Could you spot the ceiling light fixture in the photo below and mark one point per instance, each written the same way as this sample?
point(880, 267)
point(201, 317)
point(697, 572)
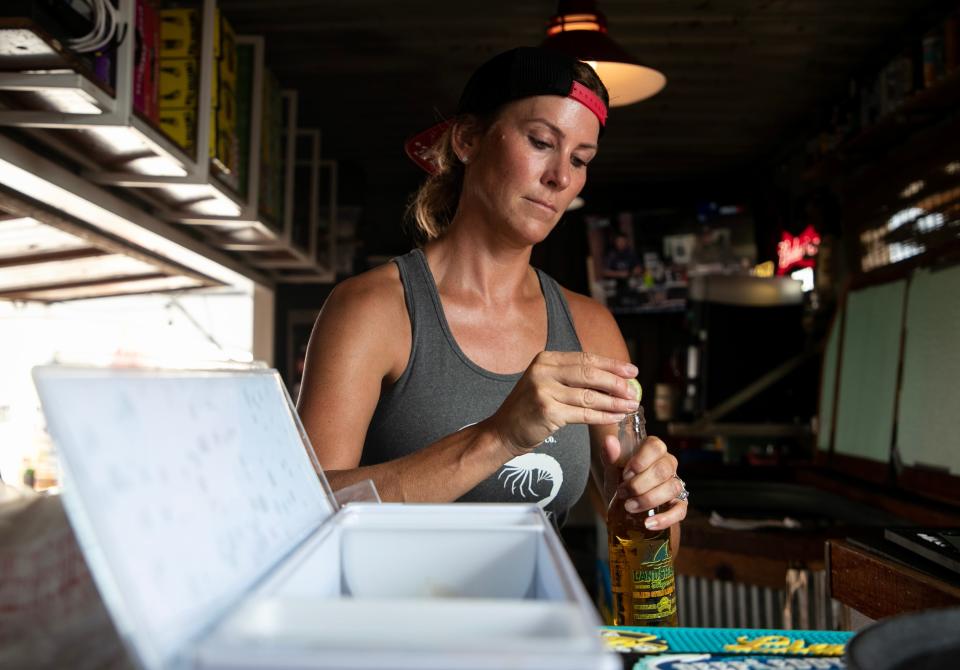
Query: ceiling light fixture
point(580, 29)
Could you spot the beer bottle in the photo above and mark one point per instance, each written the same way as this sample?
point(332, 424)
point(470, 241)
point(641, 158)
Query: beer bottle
point(641, 566)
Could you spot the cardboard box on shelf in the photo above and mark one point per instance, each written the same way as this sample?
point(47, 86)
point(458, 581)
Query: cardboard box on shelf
point(145, 72)
point(217, 19)
point(152, 84)
point(103, 66)
point(243, 93)
point(271, 151)
point(180, 125)
point(227, 55)
point(179, 83)
point(179, 33)
point(227, 109)
point(214, 88)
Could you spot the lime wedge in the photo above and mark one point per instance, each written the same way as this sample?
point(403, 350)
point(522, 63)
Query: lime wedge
point(635, 385)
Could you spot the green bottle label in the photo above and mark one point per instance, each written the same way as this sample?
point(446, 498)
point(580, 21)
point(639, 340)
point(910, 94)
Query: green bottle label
point(654, 591)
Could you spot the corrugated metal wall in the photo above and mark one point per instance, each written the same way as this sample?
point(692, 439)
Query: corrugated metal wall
point(720, 603)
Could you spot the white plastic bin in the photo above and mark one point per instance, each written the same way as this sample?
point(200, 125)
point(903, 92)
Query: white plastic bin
point(216, 542)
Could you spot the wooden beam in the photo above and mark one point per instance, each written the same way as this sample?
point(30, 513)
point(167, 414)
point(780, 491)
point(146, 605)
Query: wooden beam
point(50, 256)
point(85, 282)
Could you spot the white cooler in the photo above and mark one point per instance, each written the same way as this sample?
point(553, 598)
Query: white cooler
point(216, 541)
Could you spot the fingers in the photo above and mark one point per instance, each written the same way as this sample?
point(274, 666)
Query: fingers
point(648, 498)
point(649, 477)
point(566, 414)
point(651, 450)
point(610, 449)
point(592, 399)
point(585, 370)
point(674, 515)
point(560, 388)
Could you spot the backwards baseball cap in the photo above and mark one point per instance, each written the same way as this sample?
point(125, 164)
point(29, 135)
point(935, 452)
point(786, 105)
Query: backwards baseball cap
point(519, 73)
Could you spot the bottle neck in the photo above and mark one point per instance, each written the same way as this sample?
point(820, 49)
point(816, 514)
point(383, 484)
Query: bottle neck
point(632, 431)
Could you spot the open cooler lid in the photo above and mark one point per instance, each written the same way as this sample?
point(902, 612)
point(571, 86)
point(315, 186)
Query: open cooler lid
point(183, 488)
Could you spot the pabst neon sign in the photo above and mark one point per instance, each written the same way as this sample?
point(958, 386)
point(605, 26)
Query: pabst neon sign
point(797, 251)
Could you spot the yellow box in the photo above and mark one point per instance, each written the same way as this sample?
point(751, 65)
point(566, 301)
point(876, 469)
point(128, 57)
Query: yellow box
point(180, 125)
point(227, 109)
point(227, 55)
point(214, 87)
point(179, 33)
point(179, 83)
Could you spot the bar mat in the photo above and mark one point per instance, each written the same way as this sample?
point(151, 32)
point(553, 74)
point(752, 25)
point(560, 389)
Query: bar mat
point(726, 641)
point(724, 662)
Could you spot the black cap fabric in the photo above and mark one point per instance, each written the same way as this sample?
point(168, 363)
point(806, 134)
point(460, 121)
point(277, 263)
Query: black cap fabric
point(523, 72)
point(519, 73)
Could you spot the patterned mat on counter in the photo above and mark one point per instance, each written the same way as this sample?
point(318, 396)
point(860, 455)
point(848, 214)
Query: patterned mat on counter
point(726, 648)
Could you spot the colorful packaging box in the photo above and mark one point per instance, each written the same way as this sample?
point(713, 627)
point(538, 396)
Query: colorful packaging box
point(227, 110)
point(179, 33)
point(180, 125)
point(271, 151)
point(179, 83)
point(227, 55)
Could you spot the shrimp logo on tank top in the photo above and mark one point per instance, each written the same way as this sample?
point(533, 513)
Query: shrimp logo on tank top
point(522, 473)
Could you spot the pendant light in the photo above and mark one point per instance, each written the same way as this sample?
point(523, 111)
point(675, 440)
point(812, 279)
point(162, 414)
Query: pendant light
point(580, 29)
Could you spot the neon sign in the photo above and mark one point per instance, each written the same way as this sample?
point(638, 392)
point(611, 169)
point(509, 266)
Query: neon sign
point(797, 251)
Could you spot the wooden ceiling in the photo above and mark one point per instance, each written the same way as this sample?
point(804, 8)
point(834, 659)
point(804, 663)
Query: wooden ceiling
point(744, 76)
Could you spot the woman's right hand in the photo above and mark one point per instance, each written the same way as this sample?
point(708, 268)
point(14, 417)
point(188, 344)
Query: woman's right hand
point(560, 388)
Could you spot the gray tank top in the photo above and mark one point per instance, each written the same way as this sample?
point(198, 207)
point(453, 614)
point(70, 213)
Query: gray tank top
point(442, 391)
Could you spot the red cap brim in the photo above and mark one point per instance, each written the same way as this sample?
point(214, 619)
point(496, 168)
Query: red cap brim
point(418, 147)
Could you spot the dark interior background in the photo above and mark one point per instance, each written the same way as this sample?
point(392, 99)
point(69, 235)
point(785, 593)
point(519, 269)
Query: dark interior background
point(747, 80)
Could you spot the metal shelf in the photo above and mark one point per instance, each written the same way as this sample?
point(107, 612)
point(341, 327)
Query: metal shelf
point(264, 245)
point(36, 186)
point(98, 128)
point(47, 258)
point(294, 262)
point(129, 151)
point(65, 92)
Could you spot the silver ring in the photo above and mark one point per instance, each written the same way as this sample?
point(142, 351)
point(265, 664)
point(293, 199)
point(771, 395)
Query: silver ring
point(684, 493)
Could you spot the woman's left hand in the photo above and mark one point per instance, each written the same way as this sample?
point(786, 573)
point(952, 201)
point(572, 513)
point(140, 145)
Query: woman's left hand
point(649, 480)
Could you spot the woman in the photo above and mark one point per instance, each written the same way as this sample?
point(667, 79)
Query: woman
point(430, 375)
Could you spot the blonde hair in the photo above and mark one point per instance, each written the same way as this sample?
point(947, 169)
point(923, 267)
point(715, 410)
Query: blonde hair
point(432, 207)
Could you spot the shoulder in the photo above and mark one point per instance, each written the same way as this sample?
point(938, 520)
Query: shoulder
point(370, 295)
point(596, 328)
point(355, 317)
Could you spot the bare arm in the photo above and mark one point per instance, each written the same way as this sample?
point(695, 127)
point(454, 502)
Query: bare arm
point(652, 482)
point(349, 362)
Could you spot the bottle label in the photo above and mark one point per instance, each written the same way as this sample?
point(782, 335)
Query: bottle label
point(642, 580)
point(654, 591)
